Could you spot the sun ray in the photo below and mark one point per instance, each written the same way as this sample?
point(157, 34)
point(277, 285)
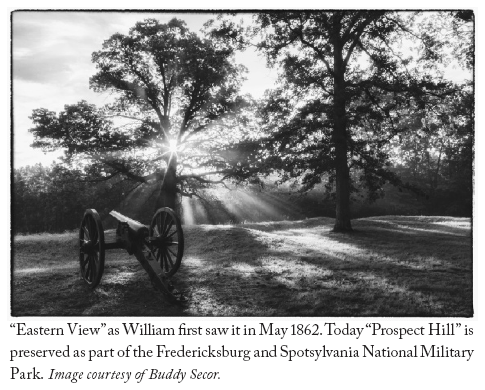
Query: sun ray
point(187, 211)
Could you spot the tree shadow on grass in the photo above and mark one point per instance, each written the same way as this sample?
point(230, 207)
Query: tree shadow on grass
point(304, 269)
point(298, 268)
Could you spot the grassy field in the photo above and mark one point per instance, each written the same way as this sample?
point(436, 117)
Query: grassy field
point(390, 266)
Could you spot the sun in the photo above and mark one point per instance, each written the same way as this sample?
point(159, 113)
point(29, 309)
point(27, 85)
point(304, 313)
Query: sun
point(173, 146)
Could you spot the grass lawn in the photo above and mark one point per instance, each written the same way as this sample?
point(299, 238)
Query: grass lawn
point(390, 266)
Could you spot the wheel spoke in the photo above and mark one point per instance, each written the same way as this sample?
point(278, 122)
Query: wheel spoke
point(165, 262)
point(160, 224)
point(95, 266)
point(86, 232)
point(93, 269)
point(171, 234)
point(88, 268)
point(167, 254)
point(158, 256)
point(174, 254)
point(162, 262)
point(165, 232)
point(94, 235)
point(158, 221)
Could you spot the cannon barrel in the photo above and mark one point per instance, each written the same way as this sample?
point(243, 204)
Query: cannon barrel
point(137, 229)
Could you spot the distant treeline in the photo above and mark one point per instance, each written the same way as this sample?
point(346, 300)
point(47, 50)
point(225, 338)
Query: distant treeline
point(53, 198)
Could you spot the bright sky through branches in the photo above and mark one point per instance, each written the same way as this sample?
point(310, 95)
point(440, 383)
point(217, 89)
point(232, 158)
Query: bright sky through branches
point(52, 64)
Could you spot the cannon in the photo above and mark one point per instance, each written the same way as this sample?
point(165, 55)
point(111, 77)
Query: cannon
point(158, 247)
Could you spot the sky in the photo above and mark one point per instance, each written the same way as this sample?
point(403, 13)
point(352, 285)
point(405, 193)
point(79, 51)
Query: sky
point(51, 62)
point(51, 58)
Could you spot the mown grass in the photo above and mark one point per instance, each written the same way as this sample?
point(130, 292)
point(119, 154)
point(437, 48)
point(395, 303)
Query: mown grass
point(390, 266)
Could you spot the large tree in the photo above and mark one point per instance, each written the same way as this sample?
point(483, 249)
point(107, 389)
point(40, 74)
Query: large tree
point(176, 112)
point(347, 79)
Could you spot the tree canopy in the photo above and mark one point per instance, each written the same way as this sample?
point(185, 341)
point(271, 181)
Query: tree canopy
point(175, 114)
point(350, 83)
point(362, 100)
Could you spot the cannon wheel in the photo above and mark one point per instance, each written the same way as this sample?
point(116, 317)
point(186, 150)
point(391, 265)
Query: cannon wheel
point(166, 240)
point(91, 248)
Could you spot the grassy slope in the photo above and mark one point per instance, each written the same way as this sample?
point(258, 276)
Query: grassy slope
point(390, 266)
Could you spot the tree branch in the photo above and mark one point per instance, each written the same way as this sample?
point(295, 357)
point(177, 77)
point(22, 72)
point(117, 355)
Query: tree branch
point(122, 169)
point(358, 34)
point(305, 42)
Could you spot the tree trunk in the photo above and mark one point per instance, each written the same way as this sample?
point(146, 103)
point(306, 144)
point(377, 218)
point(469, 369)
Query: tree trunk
point(167, 197)
point(342, 214)
point(168, 190)
point(342, 217)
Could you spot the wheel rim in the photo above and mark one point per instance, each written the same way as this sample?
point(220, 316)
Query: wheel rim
point(91, 248)
point(167, 240)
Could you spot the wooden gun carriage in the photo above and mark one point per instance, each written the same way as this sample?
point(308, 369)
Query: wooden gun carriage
point(158, 247)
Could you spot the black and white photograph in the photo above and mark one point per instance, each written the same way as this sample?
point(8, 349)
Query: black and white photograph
point(265, 163)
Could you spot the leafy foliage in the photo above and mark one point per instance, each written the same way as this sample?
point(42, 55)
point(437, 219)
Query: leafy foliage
point(53, 198)
point(361, 101)
point(436, 153)
point(176, 111)
point(349, 83)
